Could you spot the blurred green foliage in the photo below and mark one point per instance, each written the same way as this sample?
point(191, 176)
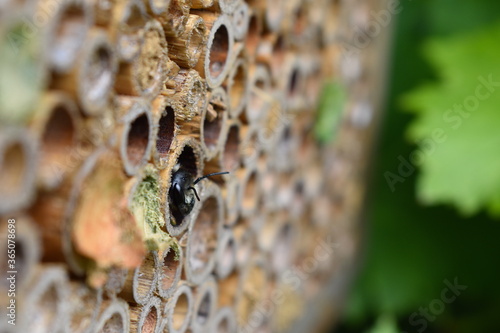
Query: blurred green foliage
point(459, 166)
point(410, 250)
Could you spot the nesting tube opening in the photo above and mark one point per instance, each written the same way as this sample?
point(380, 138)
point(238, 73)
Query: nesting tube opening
point(170, 271)
point(136, 144)
point(166, 132)
point(218, 53)
point(179, 310)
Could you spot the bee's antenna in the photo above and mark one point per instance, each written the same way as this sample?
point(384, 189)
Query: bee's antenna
point(209, 175)
point(195, 193)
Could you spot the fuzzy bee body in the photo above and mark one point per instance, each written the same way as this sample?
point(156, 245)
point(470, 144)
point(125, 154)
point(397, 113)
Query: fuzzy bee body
point(182, 193)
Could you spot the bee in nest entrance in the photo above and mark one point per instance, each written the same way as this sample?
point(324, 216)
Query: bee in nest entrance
point(182, 193)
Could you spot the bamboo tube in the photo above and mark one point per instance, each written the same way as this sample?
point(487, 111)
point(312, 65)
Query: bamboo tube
point(174, 22)
point(27, 249)
point(226, 254)
point(58, 127)
point(157, 7)
point(18, 162)
point(91, 81)
point(145, 74)
point(115, 318)
point(188, 93)
point(126, 28)
point(146, 318)
point(238, 86)
point(259, 94)
point(169, 271)
point(217, 57)
point(178, 311)
point(186, 49)
point(224, 321)
point(66, 32)
point(240, 20)
point(205, 305)
point(45, 306)
point(135, 132)
point(203, 235)
point(167, 128)
point(186, 154)
point(84, 307)
point(213, 123)
point(141, 282)
point(98, 201)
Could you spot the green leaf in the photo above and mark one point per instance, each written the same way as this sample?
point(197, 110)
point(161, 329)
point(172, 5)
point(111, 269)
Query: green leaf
point(461, 167)
point(331, 105)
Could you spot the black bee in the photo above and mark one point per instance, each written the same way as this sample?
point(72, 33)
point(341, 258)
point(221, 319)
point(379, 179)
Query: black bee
point(182, 193)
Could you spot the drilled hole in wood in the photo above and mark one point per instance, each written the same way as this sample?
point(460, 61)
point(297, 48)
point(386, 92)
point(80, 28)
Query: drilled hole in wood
point(166, 128)
point(219, 51)
point(137, 139)
point(12, 169)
